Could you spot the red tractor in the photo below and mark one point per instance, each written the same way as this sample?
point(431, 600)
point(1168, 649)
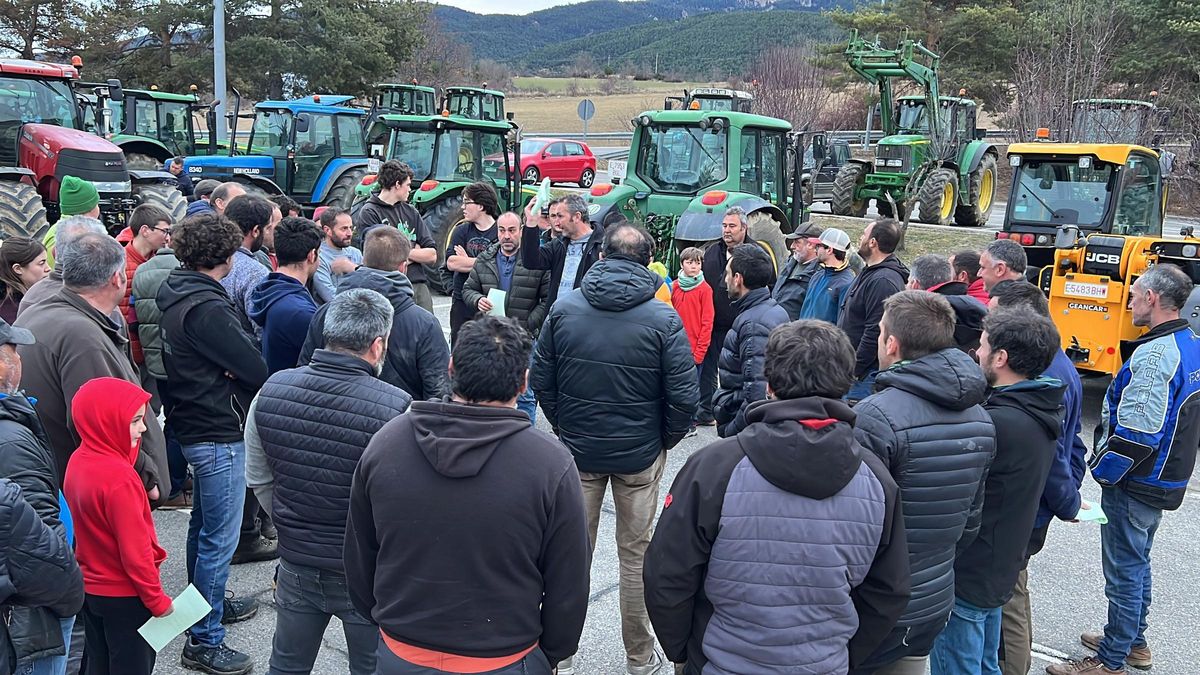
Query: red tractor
point(42, 139)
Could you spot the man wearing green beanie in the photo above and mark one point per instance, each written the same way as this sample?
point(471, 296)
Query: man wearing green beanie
point(76, 197)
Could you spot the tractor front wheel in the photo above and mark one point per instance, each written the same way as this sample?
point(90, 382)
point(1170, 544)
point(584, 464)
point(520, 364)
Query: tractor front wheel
point(166, 197)
point(939, 197)
point(764, 230)
point(850, 178)
point(442, 219)
point(22, 213)
point(982, 197)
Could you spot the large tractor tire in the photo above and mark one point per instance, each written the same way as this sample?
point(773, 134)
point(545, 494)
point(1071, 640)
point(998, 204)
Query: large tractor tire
point(851, 177)
point(939, 197)
point(341, 194)
point(982, 197)
point(764, 231)
point(165, 197)
point(442, 219)
point(22, 213)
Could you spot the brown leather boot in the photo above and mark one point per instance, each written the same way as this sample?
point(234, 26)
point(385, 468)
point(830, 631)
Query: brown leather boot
point(1139, 657)
point(1089, 666)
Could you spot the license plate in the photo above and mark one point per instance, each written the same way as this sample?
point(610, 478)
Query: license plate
point(1080, 289)
point(373, 165)
point(616, 168)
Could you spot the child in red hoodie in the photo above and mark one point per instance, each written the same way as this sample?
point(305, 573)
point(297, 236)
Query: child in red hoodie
point(116, 544)
point(692, 297)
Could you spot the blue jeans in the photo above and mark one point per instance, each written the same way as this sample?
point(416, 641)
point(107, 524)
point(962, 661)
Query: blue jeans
point(219, 477)
point(305, 599)
point(527, 401)
point(1125, 550)
point(51, 665)
point(862, 388)
point(970, 643)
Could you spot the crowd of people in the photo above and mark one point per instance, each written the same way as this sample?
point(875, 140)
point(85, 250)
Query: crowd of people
point(894, 442)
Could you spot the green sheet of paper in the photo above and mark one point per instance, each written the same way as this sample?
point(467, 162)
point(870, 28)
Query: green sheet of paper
point(1089, 512)
point(187, 609)
point(496, 297)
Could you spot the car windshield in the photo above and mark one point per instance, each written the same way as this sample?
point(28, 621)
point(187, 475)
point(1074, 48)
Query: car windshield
point(42, 101)
point(682, 159)
point(272, 132)
point(1061, 192)
point(461, 153)
point(414, 148)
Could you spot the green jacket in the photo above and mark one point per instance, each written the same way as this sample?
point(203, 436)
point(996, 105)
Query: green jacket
point(146, 281)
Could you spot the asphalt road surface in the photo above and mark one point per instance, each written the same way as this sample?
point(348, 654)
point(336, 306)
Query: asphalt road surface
point(1065, 582)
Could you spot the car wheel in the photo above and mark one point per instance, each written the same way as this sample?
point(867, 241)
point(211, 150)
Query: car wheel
point(588, 177)
point(532, 175)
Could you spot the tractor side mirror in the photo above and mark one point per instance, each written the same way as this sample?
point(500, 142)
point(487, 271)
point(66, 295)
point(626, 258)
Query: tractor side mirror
point(302, 124)
point(115, 92)
point(980, 133)
point(1067, 236)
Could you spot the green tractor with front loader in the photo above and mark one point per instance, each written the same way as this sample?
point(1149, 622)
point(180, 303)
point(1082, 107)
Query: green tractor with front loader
point(932, 164)
point(686, 167)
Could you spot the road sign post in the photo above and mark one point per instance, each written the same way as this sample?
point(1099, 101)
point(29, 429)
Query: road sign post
point(587, 110)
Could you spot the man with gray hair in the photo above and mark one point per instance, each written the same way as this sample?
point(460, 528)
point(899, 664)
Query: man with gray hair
point(305, 433)
point(67, 231)
point(932, 272)
point(78, 340)
point(1143, 462)
point(568, 257)
point(1002, 259)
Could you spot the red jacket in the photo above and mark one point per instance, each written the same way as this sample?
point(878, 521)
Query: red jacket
point(977, 291)
point(115, 542)
point(133, 260)
point(695, 307)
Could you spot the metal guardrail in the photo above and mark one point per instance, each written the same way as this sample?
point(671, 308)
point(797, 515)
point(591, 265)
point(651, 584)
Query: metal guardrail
point(853, 136)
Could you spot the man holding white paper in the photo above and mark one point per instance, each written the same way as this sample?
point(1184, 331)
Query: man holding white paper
point(523, 294)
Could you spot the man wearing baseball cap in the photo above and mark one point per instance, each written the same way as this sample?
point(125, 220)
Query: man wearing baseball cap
point(76, 197)
point(201, 194)
point(831, 279)
point(793, 279)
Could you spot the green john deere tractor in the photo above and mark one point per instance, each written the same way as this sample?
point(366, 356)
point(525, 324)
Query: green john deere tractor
point(395, 99)
point(447, 153)
point(150, 126)
point(932, 158)
point(711, 98)
point(686, 167)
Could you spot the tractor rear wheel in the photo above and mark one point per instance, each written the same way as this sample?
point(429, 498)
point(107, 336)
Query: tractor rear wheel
point(982, 197)
point(764, 231)
point(939, 197)
point(850, 178)
point(165, 197)
point(442, 219)
point(22, 213)
point(142, 162)
point(341, 194)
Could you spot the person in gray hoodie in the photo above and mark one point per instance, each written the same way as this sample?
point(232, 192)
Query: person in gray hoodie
point(417, 353)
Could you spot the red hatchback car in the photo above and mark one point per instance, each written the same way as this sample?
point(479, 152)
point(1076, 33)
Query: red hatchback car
point(560, 160)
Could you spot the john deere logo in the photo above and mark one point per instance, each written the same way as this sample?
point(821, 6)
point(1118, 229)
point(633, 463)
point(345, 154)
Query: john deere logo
point(593, 209)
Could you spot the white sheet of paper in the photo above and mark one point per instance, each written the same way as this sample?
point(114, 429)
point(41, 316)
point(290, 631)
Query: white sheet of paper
point(188, 608)
point(496, 297)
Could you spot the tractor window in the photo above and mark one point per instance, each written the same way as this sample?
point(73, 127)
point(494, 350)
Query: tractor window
point(173, 118)
point(145, 118)
point(912, 118)
point(42, 101)
point(772, 150)
point(1138, 210)
point(461, 154)
point(840, 153)
point(1057, 192)
point(272, 133)
point(1107, 125)
point(117, 122)
point(314, 149)
point(414, 148)
point(750, 168)
point(682, 159)
point(350, 136)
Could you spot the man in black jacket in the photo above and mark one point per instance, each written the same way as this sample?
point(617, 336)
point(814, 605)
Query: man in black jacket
point(741, 366)
point(862, 309)
point(568, 257)
point(926, 423)
point(390, 207)
point(417, 354)
point(213, 371)
point(614, 373)
point(725, 586)
point(792, 284)
point(489, 562)
point(932, 272)
point(526, 291)
point(38, 567)
point(39, 634)
point(733, 234)
point(313, 424)
point(1016, 348)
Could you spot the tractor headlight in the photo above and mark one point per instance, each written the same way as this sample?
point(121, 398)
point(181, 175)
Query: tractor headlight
point(880, 161)
point(895, 163)
point(1014, 160)
point(1189, 251)
point(1085, 162)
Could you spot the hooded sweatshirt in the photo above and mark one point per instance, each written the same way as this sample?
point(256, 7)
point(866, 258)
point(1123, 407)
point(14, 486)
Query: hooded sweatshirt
point(863, 309)
point(417, 355)
point(1028, 420)
point(283, 307)
point(781, 549)
point(467, 534)
point(115, 541)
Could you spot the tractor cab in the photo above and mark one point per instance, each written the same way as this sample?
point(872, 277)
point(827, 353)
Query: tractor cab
point(395, 99)
point(1104, 120)
point(711, 98)
point(34, 93)
point(1096, 188)
point(475, 103)
point(150, 126)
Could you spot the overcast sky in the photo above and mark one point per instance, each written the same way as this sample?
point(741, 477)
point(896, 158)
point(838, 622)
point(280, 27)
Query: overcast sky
point(504, 6)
